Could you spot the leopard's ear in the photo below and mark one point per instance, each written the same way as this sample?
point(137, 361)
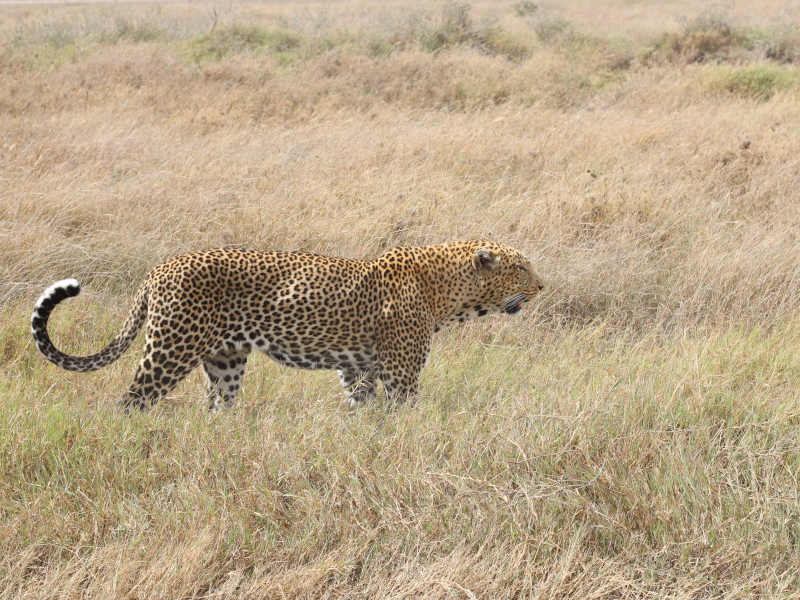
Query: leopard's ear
point(485, 260)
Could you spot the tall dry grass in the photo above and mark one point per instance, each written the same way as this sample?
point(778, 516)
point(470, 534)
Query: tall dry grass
point(647, 175)
point(633, 435)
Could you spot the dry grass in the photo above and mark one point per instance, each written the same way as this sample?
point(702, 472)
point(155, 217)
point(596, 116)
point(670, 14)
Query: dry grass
point(632, 435)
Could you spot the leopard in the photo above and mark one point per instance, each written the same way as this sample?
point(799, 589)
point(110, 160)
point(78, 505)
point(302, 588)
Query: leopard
point(370, 320)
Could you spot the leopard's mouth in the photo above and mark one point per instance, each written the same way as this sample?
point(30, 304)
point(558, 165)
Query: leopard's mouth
point(514, 304)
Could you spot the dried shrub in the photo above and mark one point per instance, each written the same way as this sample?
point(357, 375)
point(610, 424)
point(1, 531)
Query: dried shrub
point(705, 39)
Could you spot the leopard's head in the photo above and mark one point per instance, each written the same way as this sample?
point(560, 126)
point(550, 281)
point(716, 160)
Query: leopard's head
point(505, 278)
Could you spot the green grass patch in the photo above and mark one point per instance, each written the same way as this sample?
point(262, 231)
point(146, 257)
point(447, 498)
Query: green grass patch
point(758, 82)
point(238, 38)
point(51, 54)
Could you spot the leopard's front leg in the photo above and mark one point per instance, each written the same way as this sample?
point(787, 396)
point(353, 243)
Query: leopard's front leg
point(403, 345)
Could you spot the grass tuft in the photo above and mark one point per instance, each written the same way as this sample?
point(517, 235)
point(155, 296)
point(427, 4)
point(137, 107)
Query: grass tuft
point(132, 31)
point(705, 39)
point(525, 8)
point(760, 82)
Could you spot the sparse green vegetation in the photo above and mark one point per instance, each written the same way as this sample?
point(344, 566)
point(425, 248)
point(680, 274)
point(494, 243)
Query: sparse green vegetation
point(781, 45)
point(525, 8)
point(705, 40)
point(759, 82)
point(126, 30)
point(712, 39)
point(550, 29)
point(235, 39)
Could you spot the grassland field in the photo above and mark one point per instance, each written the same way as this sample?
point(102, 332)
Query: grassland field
point(632, 434)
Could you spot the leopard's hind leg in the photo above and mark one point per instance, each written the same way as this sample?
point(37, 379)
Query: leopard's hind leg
point(224, 374)
point(170, 354)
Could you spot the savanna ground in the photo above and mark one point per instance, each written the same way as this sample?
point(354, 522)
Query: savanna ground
point(634, 434)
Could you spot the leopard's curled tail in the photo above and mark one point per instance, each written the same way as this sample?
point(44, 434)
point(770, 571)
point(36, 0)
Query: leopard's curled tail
point(68, 288)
